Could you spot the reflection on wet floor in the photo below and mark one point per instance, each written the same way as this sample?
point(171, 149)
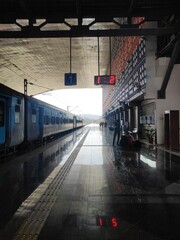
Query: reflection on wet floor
point(109, 193)
point(22, 175)
point(113, 194)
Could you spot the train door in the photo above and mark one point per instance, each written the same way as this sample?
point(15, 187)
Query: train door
point(74, 122)
point(41, 122)
point(2, 121)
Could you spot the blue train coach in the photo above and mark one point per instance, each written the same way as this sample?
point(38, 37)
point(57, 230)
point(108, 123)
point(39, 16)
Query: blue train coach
point(45, 120)
point(11, 117)
point(24, 119)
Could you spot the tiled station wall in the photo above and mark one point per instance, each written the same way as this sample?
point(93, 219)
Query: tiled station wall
point(122, 53)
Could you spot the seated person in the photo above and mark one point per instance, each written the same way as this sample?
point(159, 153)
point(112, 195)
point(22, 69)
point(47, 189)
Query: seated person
point(129, 141)
point(130, 138)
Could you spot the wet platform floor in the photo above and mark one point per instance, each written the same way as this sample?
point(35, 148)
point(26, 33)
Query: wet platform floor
point(109, 193)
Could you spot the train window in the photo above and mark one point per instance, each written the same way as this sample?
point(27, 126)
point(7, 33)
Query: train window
point(1, 114)
point(52, 120)
point(33, 116)
point(57, 120)
point(46, 120)
point(17, 114)
point(19, 101)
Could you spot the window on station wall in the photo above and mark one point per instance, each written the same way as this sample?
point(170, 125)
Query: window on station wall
point(34, 117)
point(1, 113)
point(17, 114)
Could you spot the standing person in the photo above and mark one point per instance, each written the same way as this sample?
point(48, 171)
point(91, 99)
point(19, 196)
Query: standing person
point(117, 130)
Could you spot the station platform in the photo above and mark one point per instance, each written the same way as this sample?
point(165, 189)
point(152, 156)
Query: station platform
point(102, 192)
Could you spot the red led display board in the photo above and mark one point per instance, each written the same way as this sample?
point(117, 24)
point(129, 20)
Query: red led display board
point(107, 221)
point(105, 80)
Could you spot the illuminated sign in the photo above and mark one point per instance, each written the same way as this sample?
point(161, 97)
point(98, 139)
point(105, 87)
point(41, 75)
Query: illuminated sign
point(70, 79)
point(107, 221)
point(105, 80)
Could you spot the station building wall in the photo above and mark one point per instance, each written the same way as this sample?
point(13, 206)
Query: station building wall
point(155, 72)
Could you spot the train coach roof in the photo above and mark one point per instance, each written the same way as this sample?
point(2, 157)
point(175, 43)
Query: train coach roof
point(35, 100)
point(10, 91)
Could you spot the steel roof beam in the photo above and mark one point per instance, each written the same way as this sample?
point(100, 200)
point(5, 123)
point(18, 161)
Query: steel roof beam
point(83, 31)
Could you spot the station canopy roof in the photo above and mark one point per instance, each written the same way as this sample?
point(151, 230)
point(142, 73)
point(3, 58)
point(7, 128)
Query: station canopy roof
point(40, 40)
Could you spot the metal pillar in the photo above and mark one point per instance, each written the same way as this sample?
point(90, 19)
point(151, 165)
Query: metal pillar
point(25, 86)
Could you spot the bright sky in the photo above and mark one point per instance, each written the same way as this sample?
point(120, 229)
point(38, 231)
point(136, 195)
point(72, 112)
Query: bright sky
point(77, 101)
